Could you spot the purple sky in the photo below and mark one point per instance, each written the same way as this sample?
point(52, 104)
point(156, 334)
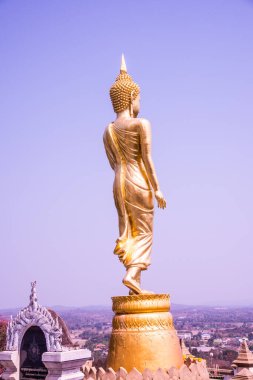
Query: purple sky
point(194, 63)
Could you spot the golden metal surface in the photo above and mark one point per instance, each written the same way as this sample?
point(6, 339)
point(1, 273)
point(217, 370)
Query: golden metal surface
point(143, 335)
point(127, 143)
point(138, 322)
point(146, 337)
point(145, 303)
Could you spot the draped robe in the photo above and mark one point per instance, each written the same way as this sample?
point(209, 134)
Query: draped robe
point(132, 195)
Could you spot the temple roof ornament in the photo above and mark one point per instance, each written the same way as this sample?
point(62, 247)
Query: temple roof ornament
point(245, 356)
point(243, 374)
point(35, 315)
point(185, 349)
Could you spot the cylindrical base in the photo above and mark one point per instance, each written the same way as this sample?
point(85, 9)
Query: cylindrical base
point(143, 335)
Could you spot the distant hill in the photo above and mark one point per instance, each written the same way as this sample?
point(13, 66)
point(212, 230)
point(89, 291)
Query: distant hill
point(92, 308)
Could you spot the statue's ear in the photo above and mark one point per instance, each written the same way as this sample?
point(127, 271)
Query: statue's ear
point(132, 95)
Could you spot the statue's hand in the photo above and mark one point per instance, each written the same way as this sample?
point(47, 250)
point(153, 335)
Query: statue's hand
point(161, 202)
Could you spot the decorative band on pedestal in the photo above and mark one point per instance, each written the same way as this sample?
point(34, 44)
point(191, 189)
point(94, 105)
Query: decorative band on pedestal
point(142, 322)
point(143, 303)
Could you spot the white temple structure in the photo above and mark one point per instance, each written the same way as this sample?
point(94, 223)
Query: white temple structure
point(39, 346)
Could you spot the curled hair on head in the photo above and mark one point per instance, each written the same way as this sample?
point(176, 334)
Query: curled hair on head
point(124, 90)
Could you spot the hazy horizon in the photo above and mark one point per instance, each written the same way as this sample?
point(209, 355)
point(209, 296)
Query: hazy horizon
point(193, 61)
point(174, 306)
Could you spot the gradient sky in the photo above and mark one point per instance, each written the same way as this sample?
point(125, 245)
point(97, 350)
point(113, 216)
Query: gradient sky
point(194, 62)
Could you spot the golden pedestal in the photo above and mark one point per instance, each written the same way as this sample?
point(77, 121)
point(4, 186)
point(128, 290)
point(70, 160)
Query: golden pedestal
point(143, 334)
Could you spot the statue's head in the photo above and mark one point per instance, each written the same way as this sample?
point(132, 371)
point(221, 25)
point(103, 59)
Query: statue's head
point(125, 93)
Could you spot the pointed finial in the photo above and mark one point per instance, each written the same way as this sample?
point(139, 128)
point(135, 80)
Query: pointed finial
point(33, 297)
point(123, 67)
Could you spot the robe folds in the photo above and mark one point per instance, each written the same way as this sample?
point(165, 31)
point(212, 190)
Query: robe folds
point(132, 195)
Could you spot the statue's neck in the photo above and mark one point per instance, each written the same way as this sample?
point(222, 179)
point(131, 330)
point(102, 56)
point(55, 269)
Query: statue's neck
point(123, 114)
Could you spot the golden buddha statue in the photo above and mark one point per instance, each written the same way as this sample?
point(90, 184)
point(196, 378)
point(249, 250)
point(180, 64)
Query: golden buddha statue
point(127, 143)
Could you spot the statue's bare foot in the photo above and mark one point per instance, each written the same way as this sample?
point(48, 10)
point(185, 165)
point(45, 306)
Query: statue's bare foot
point(146, 292)
point(132, 293)
point(131, 284)
point(143, 291)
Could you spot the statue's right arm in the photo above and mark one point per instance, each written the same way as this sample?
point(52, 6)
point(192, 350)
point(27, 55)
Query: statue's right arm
point(108, 149)
point(145, 139)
